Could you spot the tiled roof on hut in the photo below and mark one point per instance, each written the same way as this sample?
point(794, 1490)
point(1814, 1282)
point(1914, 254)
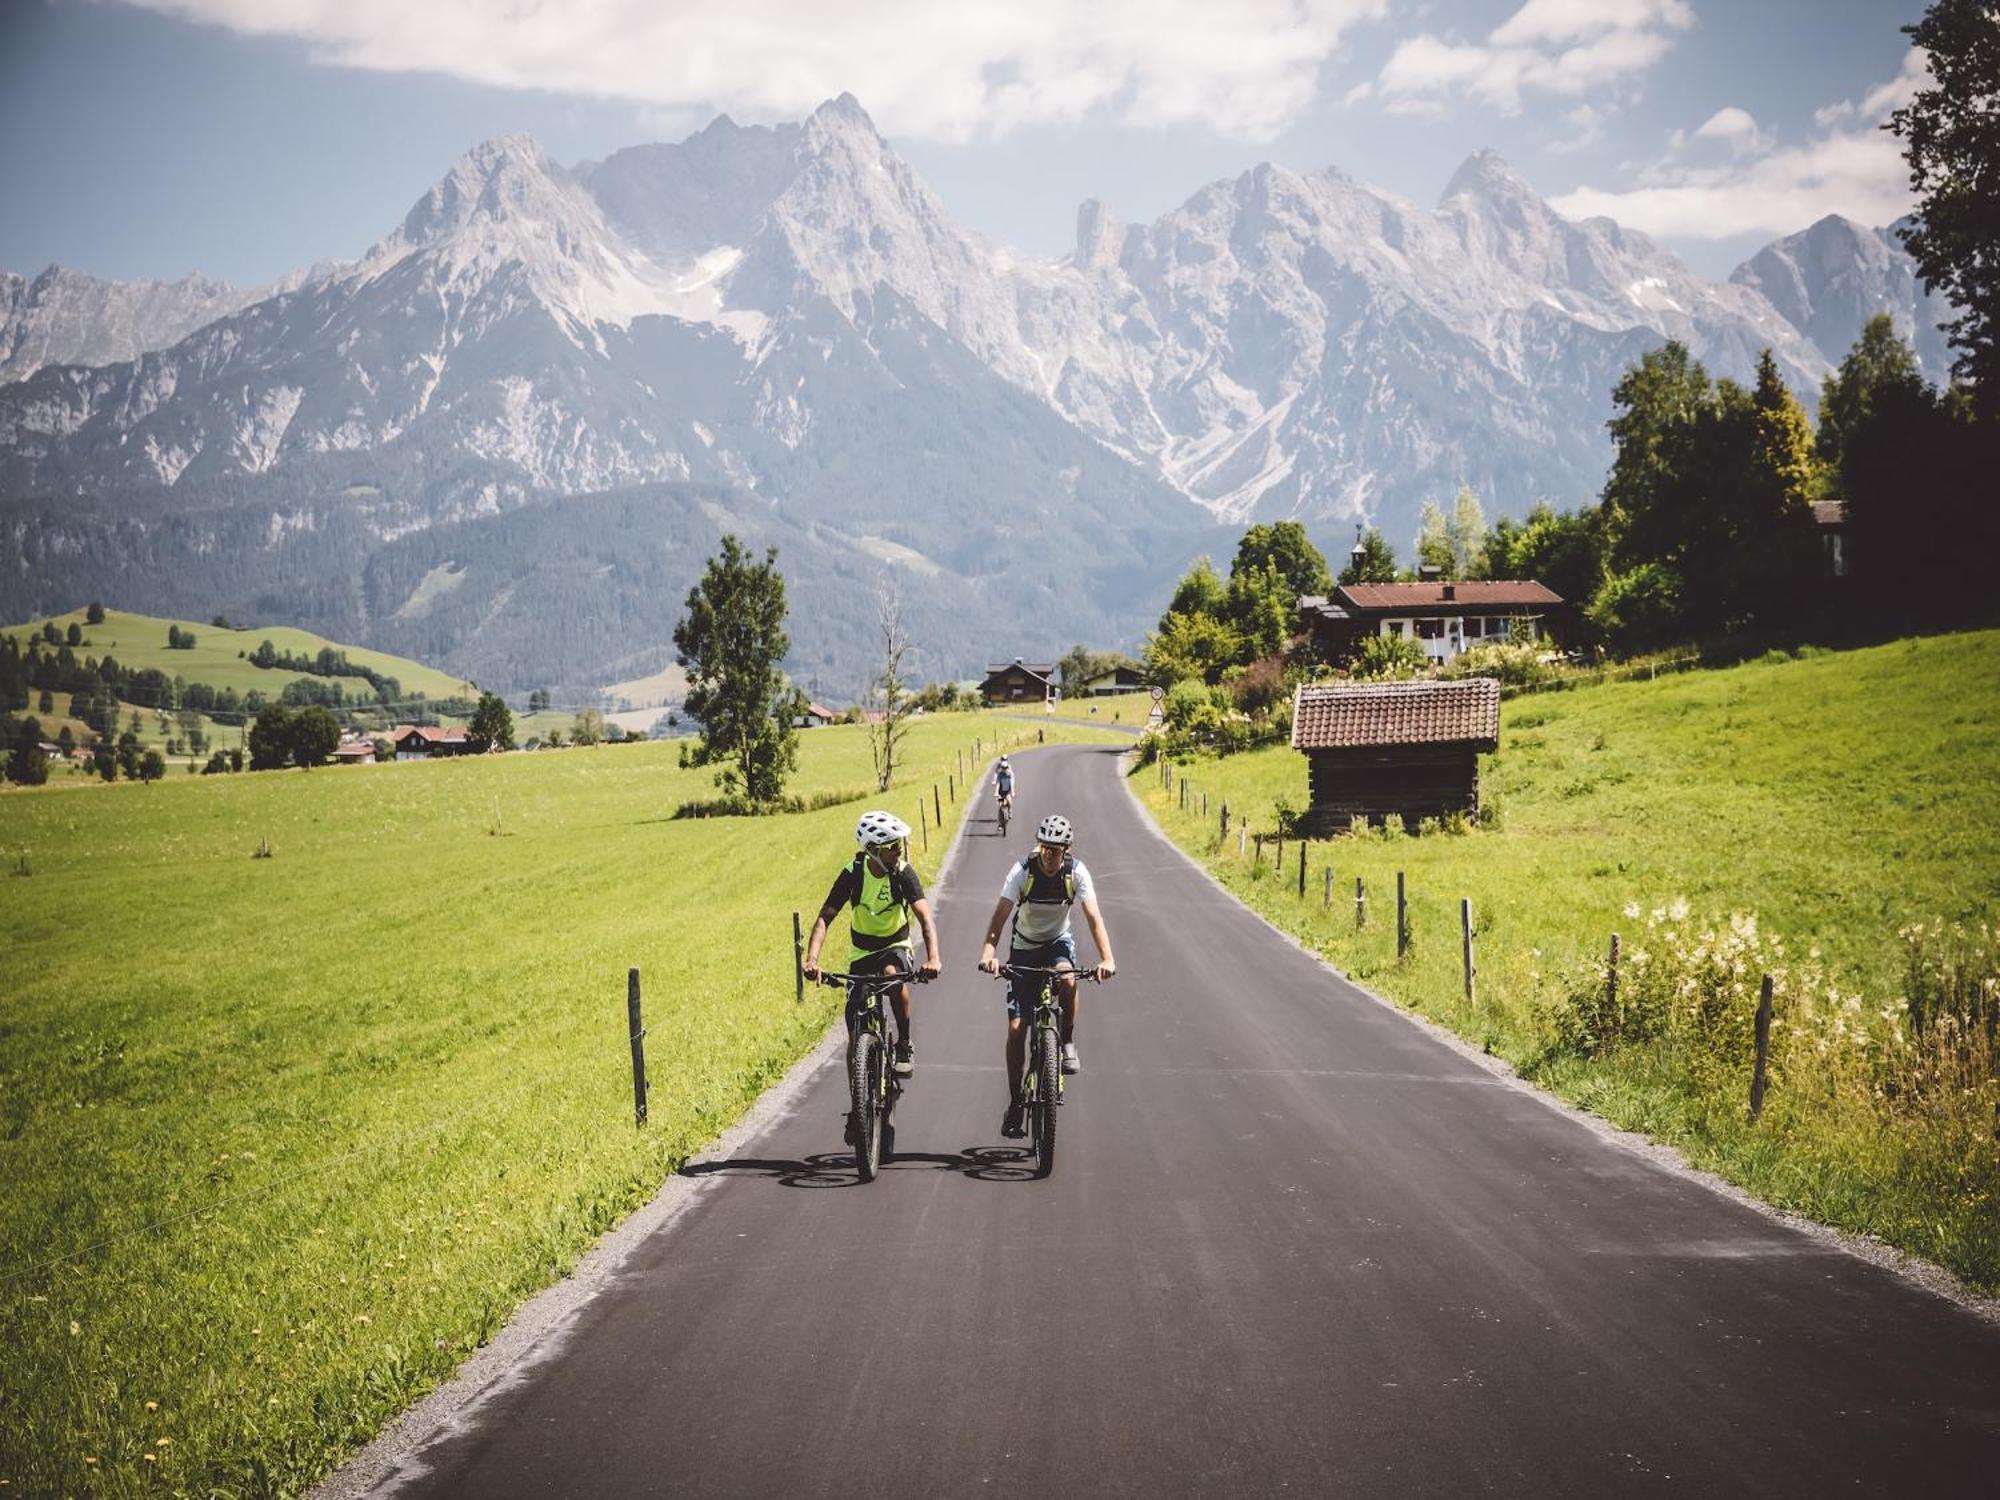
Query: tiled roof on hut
point(1344, 715)
point(1499, 593)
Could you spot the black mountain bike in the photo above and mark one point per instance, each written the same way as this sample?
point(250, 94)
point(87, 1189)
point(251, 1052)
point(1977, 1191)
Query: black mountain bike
point(873, 1086)
point(1003, 817)
point(1042, 1078)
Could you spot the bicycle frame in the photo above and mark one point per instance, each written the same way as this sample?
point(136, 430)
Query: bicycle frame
point(874, 1087)
point(1041, 1073)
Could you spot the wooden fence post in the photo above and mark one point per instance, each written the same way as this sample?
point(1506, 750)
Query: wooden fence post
point(1225, 822)
point(1302, 869)
point(1763, 1049)
point(961, 762)
point(937, 808)
point(1402, 918)
point(1465, 922)
point(1326, 895)
point(1241, 830)
point(1611, 983)
point(923, 824)
point(1360, 905)
point(950, 789)
point(638, 1047)
point(798, 960)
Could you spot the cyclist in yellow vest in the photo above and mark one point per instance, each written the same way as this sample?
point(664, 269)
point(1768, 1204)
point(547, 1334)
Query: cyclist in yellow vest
point(881, 889)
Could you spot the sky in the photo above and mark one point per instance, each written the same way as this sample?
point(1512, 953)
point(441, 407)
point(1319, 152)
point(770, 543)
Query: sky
point(247, 138)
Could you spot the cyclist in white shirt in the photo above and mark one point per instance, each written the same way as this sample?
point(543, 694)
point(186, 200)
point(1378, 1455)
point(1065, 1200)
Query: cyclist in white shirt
point(1039, 891)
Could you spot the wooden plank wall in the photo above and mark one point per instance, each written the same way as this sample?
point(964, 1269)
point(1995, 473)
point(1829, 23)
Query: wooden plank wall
point(1415, 782)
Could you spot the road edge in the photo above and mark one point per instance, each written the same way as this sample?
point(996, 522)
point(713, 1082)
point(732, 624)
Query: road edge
point(1913, 1269)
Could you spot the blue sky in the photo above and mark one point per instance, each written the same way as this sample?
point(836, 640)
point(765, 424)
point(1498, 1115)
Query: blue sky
point(245, 138)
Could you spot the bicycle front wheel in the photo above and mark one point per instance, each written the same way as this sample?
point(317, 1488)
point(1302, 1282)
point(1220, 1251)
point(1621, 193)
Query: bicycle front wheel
point(1048, 1070)
point(864, 1071)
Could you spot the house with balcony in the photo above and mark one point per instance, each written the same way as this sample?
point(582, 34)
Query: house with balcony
point(1443, 618)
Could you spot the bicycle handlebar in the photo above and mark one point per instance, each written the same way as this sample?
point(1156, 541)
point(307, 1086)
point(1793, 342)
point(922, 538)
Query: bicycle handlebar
point(1008, 971)
point(828, 978)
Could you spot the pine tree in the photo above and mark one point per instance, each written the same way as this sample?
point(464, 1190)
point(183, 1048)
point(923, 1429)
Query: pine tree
point(730, 641)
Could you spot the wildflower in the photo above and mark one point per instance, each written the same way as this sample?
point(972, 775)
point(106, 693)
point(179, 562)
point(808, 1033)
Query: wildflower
point(1631, 908)
point(152, 1406)
point(1678, 909)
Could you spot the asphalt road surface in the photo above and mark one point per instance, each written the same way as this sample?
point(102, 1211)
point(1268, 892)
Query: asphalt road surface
point(1293, 1242)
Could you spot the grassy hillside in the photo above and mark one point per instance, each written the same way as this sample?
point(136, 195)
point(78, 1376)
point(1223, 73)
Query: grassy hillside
point(282, 1139)
point(1839, 799)
point(219, 657)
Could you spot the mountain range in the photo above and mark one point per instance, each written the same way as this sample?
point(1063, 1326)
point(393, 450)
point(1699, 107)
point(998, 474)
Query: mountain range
point(506, 437)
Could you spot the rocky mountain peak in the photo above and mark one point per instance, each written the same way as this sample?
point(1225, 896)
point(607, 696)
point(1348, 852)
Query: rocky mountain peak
point(841, 122)
point(1100, 238)
point(1486, 176)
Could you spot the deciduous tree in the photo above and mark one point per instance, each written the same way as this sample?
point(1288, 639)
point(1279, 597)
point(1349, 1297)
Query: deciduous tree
point(492, 726)
point(1951, 139)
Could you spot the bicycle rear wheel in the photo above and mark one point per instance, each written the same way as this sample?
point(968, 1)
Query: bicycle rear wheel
point(864, 1070)
point(1003, 820)
point(1048, 1072)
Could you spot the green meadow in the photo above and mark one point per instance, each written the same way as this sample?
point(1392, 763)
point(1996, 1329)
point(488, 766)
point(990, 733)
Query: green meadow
point(282, 1139)
point(1838, 799)
point(219, 657)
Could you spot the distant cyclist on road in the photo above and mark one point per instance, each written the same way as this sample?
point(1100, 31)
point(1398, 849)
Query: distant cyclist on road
point(1003, 785)
point(883, 892)
point(1040, 890)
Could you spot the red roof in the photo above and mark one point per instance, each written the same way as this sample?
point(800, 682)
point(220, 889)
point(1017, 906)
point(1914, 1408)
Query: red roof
point(1346, 715)
point(1467, 594)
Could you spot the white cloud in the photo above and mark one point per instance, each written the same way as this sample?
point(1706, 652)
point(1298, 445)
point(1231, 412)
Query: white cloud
point(1583, 128)
point(1736, 128)
point(948, 71)
point(1573, 20)
point(1563, 47)
point(1850, 167)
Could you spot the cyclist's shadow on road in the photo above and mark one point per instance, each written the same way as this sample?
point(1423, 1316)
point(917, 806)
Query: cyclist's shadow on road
point(835, 1169)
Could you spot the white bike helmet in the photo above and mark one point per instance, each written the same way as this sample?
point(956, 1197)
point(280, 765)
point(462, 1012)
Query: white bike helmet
point(1055, 829)
point(1003, 762)
point(879, 828)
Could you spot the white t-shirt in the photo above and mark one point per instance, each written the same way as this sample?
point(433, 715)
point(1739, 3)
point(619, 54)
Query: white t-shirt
point(1038, 922)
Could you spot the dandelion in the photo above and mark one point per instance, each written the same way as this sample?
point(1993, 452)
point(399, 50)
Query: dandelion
point(1678, 909)
point(152, 1406)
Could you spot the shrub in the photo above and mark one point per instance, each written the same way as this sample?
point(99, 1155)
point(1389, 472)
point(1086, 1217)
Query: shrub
point(1515, 666)
point(1388, 657)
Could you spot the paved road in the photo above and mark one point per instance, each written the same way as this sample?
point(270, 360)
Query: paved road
point(1293, 1242)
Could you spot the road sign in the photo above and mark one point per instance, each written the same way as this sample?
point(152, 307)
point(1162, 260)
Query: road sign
point(1159, 693)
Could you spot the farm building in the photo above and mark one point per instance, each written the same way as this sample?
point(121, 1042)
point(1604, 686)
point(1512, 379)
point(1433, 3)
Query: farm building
point(1443, 618)
point(1017, 681)
point(422, 741)
point(1408, 748)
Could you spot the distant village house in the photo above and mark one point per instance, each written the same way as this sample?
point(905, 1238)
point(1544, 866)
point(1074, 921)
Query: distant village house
point(422, 741)
point(1408, 748)
point(1018, 681)
point(1106, 684)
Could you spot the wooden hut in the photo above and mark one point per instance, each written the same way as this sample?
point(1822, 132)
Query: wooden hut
point(1409, 748)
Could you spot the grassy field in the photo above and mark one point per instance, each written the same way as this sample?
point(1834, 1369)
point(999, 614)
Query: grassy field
point(141, 641)
point(282, 1139)
point(1839, 798)
point(1128, 709)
